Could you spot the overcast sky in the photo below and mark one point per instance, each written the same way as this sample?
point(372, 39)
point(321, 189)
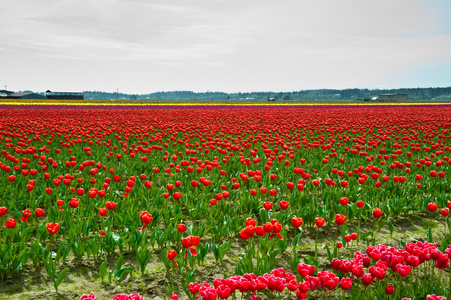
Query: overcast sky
point(142, 46)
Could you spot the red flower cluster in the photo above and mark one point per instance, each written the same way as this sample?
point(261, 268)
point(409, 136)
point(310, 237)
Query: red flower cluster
point(273, 228)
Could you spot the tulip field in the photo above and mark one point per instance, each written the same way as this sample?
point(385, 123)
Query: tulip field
point(225, 201)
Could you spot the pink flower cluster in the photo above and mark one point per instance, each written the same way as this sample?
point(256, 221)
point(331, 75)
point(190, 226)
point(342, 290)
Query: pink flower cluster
point(118, 297)
point(378, 260)
point(400, 261)
point(430, 297)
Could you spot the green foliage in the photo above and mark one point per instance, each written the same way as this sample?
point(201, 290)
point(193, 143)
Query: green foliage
point(304, 95)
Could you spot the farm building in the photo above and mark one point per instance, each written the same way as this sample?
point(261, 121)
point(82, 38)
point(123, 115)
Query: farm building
point(26, 96)
point(65, 95)
point(5, 93)
point(393, 97)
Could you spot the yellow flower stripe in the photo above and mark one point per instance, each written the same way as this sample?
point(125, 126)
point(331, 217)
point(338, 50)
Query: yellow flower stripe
point(197, 103)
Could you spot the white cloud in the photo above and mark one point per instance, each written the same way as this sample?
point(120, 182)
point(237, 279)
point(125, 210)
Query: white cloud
point(227, 45)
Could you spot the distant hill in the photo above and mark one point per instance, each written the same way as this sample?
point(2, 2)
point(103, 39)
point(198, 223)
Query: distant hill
point(413, 94)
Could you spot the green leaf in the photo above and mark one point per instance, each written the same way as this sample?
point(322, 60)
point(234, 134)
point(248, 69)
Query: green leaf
point(102, 269)
point(390, 226)
point(215, 248)
point(366, 234)
point(66, 252)
point(49, 271)
point(329, 254)
point(60, 277)
point(119, 263)
point(430, 240)
point(122, 272)
point(224, 248)
point(402, 243)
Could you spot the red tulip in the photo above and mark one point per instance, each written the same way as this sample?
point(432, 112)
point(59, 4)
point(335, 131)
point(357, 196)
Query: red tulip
point(146, 218)
point(340, 219)
point(110, 205)
point(250, 221)
point(403, 270)
point(171, 256)
point(345, 284)
point(268, 227)
point(243, 235)
point(147, 183)
point(53, 228)
point(223, 291)
point(191, 242)
point(344, 201)
point(73, 203)
point(284, 204)
point(297, 222)
point(194, 287)
point(249, 231)
point(389, 289)
point(194, 183)
point(319, 222)
point(377, 213)
point(432, 207)
point(25, 215)
point(3, 211)
point(181, 228)
point(305, 270)
point(259, 231)
point(367, 278)
point(80, 192)
point(11, 223)
point(267, 205)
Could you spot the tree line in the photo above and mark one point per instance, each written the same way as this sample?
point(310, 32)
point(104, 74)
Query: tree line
point(413, 94)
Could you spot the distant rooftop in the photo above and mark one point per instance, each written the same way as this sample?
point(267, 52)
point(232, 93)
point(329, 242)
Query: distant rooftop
point(48, 92)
